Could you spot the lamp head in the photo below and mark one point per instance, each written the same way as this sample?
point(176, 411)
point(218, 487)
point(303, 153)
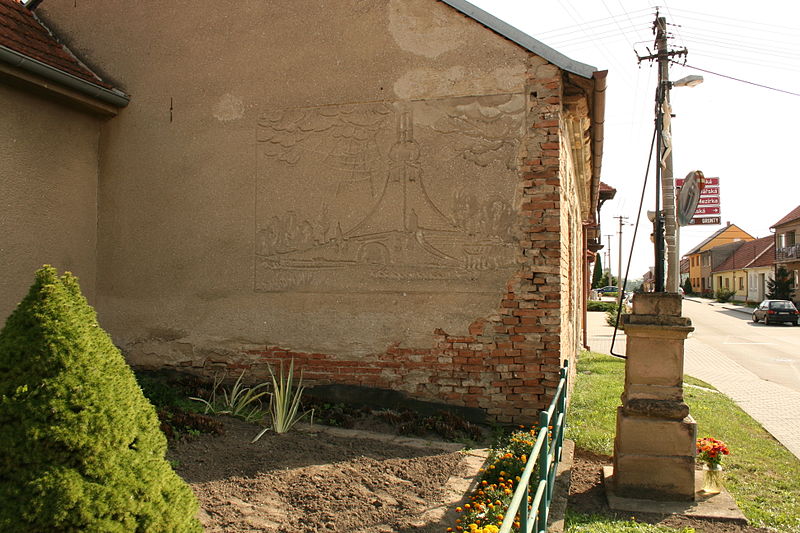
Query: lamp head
point(688, 81)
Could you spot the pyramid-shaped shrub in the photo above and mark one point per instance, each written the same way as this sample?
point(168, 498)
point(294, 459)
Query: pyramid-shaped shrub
point(80, 445)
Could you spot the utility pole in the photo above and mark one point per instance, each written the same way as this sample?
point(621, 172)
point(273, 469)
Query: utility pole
point(608, 258)
point(619, 277)
point(666, 227)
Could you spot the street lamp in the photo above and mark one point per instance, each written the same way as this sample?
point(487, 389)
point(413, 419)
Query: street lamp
point(668, 184)
point(688, 81)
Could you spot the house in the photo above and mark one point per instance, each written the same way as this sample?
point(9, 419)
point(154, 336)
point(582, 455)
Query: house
point(397, 194)
point(759, 273)
point(700, 264)
point(54, 108)
point(746, 270)
point(787, 248)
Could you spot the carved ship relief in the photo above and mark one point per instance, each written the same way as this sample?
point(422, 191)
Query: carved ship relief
point(402, 241)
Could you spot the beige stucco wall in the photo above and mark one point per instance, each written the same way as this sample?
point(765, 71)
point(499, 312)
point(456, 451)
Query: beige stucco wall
point(48, 189)
point(262, 136)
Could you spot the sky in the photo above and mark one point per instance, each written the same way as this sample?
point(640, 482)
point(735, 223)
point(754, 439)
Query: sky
point(744, 134)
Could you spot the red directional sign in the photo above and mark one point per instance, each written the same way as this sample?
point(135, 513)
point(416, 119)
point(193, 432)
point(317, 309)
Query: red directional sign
point(709, 203)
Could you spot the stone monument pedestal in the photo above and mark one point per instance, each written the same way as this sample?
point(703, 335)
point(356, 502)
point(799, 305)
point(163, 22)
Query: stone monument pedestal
point(654, 448)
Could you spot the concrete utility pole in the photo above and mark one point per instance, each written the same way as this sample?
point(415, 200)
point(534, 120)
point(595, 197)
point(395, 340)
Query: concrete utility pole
point(665, 221)
point(608, 258)
point(619, 277)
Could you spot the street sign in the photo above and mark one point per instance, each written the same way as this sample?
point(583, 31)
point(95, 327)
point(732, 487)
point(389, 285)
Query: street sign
point(708, 204)
point(706, 210)
point(705, 221)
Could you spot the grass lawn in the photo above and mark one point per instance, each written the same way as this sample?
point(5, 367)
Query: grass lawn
point(760, 473)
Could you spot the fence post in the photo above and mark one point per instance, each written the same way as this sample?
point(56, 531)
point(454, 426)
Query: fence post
point(544, 469)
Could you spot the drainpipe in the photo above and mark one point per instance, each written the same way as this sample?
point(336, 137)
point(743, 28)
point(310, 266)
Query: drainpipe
point(585, 288)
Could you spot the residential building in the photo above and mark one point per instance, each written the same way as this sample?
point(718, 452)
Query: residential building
point(787, 246)
point(399, 199)
point(741, 272)
point(700, 265)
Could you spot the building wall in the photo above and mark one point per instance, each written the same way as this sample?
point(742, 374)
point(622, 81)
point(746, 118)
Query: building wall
point(251, 208)
point(787, 252)
point(756, 285)
point(48, 187)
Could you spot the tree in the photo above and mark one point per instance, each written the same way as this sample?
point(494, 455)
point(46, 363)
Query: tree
point(687, 286)
point(780, 288)
point(597, 274)
point(80, 448)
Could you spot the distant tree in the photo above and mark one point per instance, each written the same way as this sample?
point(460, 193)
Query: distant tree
point(780, 288)
point(597, 275)
point(687, 286)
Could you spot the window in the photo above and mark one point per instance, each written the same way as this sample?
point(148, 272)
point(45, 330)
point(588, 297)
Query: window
point(726, 282)
point(741, 283)
point(789, 237)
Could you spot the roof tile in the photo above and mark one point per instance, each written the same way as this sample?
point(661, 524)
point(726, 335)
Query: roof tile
point(747, 254)
point(22, 31)
point(793, 215)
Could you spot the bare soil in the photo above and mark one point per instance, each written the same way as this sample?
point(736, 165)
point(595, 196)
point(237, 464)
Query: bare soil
point(314, 481)
point(587, 496)
point(309, 481)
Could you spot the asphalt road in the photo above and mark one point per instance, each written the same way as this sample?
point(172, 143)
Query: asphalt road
point(770, 352)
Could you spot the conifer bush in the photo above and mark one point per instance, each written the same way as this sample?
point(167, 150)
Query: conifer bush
point(80, 445)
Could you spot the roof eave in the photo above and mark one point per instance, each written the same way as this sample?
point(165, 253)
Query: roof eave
point(17, 60)
point(523, 39)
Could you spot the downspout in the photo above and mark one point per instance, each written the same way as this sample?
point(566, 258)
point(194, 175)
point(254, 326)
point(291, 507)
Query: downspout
point(585, 289)
point(598, 127)
point(109, 96)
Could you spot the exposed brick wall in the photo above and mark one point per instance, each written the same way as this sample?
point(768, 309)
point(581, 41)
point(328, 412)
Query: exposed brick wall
point(509, 363)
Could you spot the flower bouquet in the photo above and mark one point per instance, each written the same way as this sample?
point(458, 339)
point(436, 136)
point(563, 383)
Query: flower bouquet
point(710, 452)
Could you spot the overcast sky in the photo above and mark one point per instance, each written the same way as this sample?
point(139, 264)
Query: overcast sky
point(742, 133)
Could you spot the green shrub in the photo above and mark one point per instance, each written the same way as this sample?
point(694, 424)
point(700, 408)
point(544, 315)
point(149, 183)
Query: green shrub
point(595, 305)
point(723, 295)
point(80, 448)
point(611, 315)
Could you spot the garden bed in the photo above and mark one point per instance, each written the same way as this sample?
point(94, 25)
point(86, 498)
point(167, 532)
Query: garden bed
point(319, 479)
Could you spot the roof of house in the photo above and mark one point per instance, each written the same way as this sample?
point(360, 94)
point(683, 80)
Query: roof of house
point(27, 44)
point(523, 39)
point(713, 236)
point(684, 265)
point(22, 31)
point(745, 255)
point(793, 215)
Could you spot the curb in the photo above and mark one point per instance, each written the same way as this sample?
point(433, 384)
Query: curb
point(558, 505)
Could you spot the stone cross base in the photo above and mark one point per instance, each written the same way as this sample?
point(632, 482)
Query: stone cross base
point(654, 458)
point(654, 447)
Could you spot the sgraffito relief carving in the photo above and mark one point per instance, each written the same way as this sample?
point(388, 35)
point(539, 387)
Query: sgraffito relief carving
point(405, 197)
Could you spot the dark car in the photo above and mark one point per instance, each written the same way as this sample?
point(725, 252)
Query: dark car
point(774, 311)
point(609, 288)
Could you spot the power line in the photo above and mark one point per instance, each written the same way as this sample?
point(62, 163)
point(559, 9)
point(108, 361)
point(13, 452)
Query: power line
point(737, 79)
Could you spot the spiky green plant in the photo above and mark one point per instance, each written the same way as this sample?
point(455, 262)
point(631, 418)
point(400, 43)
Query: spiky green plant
point(242, 401)
point(80, 445)
point(284, 404)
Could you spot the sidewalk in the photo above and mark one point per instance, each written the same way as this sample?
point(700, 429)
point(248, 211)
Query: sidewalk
point(774, 406)
point(731, 306)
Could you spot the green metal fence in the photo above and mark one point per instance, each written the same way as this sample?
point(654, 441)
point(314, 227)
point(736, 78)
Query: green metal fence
point(545, 454)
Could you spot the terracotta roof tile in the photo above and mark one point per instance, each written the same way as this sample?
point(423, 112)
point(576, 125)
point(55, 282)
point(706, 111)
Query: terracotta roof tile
point(747, 254)
point(23, 32)
point(793, 215)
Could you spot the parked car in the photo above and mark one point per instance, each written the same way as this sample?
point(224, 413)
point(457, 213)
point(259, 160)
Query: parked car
point(773, 311)
point(607, 289)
